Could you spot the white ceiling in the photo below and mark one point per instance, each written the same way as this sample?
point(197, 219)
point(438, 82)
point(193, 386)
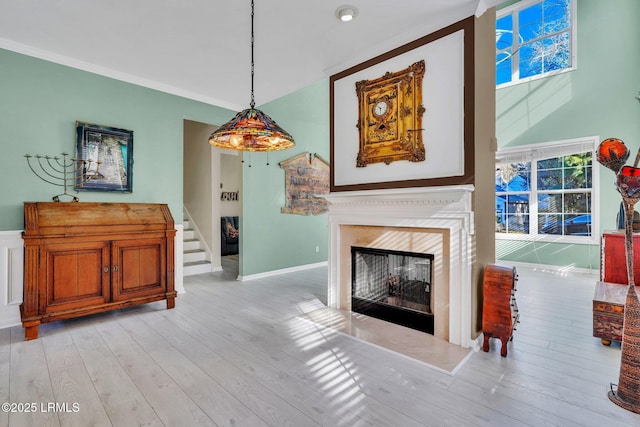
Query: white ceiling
point(200, 49)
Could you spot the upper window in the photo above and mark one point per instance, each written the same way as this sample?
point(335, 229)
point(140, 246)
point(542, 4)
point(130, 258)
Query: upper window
point(533, 39)
point(545, 191)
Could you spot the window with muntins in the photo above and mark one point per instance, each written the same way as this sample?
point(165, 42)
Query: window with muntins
point(546, 192)
point(534, 39)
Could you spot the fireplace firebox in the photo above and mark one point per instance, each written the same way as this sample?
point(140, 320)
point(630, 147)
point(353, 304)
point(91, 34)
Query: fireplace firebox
point(395, 286)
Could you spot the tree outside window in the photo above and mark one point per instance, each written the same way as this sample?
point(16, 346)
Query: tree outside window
point(534, 39)
point(557, 201)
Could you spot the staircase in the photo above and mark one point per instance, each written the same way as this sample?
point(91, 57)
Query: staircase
point(195, 257)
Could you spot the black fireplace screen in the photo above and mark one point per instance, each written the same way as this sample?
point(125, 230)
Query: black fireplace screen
point(393, 285)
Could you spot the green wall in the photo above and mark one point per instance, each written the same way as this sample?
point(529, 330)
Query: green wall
point(595, 99)
point(39, 104)
point(272, 240)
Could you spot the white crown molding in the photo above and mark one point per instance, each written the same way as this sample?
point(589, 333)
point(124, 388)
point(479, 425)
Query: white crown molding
point(111, 73)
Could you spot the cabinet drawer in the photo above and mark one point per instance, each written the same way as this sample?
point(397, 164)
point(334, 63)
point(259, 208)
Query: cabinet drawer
point(606, 307)
point(607, 326)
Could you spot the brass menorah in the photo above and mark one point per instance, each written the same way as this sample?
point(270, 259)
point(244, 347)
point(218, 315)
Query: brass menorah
point(64, 173)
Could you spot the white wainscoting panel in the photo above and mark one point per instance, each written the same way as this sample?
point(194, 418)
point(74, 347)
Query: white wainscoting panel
point(177, 260)
point(11, 273)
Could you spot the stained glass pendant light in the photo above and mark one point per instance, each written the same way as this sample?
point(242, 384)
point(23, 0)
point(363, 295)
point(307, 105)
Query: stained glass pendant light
point(251, 129)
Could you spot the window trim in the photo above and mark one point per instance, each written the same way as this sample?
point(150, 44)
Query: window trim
point(573, 40)
point(545, 150)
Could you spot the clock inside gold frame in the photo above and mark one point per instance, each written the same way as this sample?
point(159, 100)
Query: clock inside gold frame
point(390, 117)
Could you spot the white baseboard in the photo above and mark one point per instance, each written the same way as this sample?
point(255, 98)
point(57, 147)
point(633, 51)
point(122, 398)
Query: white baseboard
point(554, 268)
point(282, 271)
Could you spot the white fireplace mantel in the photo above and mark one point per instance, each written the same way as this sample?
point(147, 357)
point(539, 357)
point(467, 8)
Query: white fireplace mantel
point(442, 207)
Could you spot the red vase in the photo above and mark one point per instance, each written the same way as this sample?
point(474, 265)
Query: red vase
point(628, 182)
point(612, 153)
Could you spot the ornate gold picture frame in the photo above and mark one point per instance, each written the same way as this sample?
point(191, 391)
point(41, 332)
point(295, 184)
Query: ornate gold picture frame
point(390, 117)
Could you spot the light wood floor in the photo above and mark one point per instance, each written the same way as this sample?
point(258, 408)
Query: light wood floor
point(238, 354)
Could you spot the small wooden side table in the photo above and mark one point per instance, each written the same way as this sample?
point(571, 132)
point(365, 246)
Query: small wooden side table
point(608, 311)
point(499, 309)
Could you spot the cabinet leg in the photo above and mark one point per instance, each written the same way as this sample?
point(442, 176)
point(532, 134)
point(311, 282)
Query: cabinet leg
point(31, 332)
point(485, 343)
point(171, 303)
point(605, 342)
point(503, 349)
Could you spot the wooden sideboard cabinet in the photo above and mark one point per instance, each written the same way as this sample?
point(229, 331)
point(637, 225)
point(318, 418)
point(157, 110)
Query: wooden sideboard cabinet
point(82, 258)
point(499, 309)
point(613, 261)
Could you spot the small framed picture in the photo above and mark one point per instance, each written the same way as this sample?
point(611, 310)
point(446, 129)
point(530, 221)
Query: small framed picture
point(104, 157)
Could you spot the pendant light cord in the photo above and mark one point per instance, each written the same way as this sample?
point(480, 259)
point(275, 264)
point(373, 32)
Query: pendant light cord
point(253, 103)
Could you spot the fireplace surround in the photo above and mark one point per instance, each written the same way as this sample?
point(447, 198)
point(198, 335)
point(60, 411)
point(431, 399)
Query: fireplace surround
point(437, 220)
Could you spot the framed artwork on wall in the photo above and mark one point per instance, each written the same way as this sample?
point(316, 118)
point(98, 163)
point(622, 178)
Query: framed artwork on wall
point(306, 178)
point(105, 158)
point(405, 118)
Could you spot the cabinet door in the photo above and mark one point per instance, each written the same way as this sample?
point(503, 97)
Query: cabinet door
point(74, 275)
point(139, 268)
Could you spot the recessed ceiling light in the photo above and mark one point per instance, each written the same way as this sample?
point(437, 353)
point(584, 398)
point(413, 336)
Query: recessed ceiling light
point(346, 13)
